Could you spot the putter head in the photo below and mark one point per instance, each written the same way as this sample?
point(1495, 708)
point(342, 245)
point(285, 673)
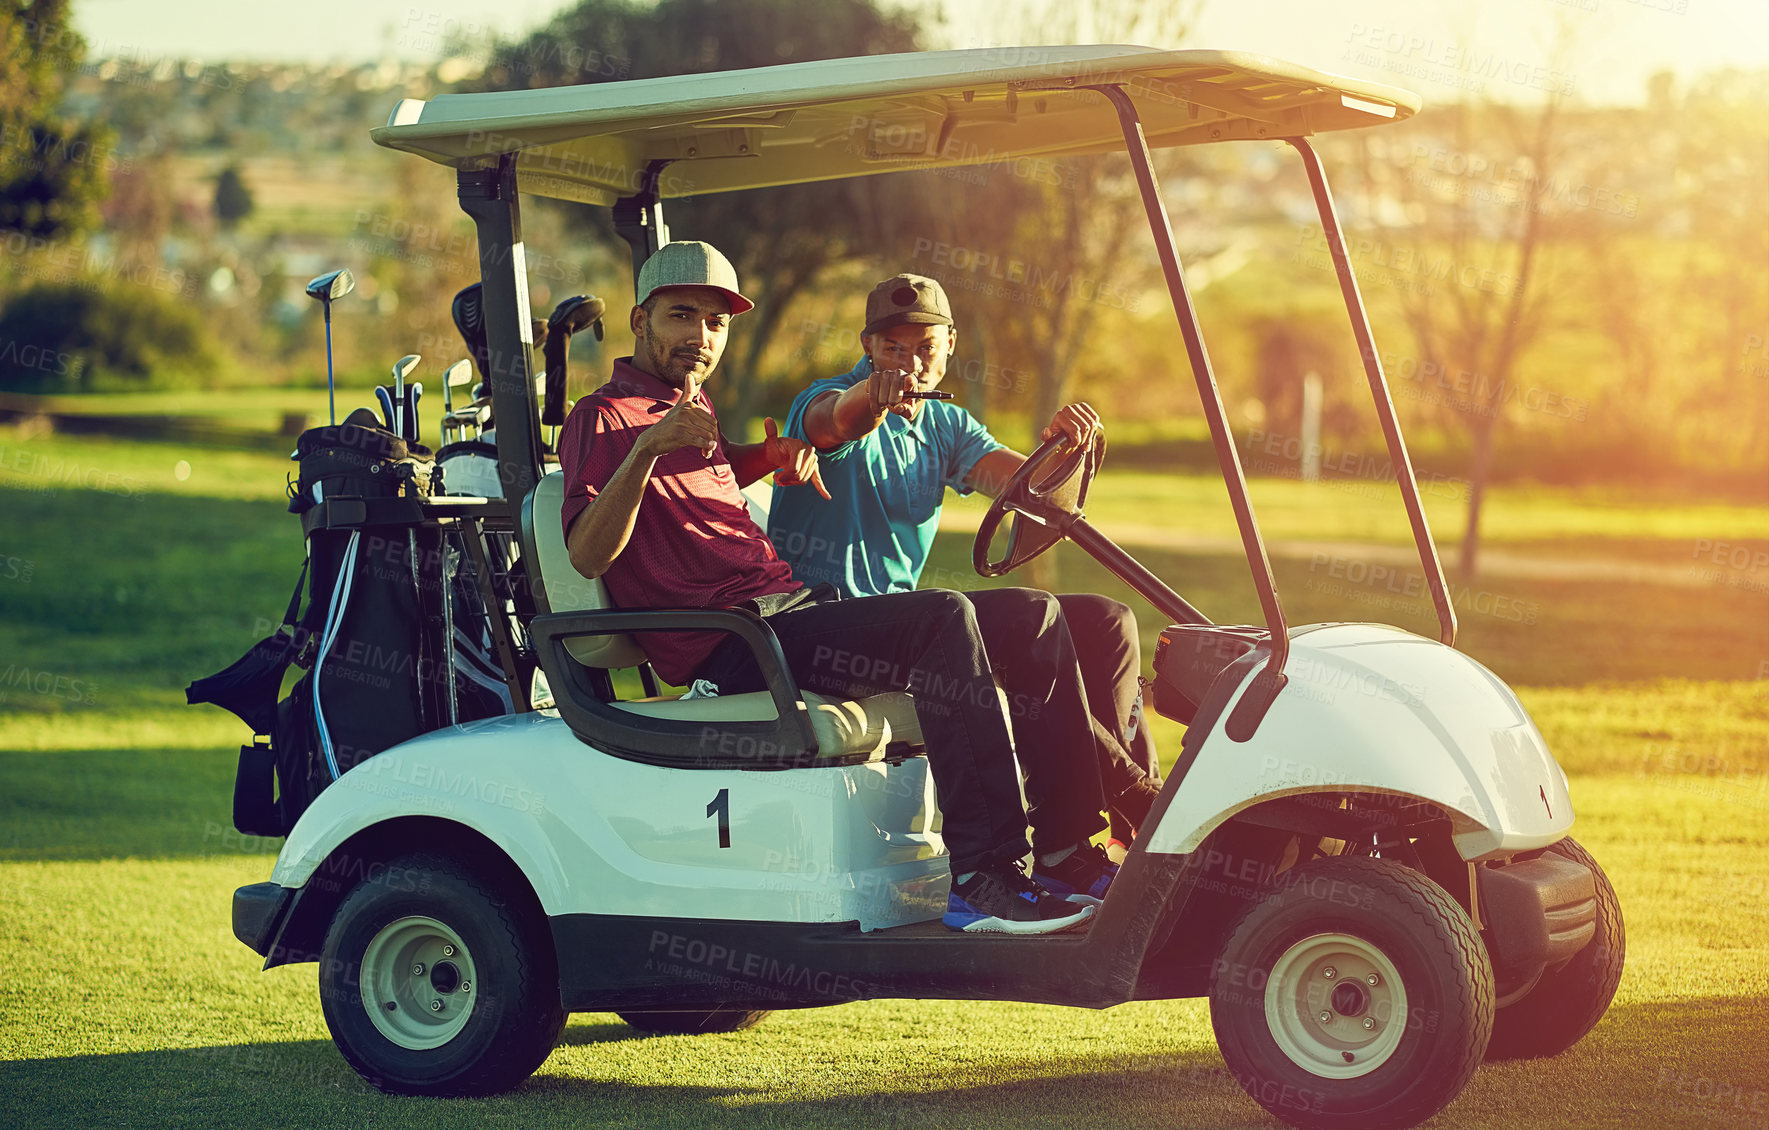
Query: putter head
point(402, 368)
point(332, 285)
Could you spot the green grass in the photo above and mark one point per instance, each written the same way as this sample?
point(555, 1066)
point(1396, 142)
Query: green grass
point(125, 999)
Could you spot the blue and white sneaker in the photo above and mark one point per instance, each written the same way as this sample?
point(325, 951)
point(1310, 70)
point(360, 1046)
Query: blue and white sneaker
point(1002, 900)
point(1082, 877)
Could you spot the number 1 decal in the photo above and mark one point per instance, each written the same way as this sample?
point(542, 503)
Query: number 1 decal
point(721, 804)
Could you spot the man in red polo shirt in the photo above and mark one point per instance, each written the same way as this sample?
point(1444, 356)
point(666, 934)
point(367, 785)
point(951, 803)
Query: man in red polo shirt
point(653, 508)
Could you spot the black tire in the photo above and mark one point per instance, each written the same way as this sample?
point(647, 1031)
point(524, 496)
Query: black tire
point(1311, 946)
point(1567, 1002)
point(696, 1022)
point(486, 957)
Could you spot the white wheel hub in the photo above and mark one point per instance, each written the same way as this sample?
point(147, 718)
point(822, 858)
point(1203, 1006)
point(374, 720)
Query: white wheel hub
point(1336, 1006)
point(418, 982)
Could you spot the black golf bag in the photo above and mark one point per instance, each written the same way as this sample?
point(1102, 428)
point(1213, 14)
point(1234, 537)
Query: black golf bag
point(386, 593)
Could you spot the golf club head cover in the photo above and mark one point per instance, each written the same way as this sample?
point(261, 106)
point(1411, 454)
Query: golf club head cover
point(469, 315)
point(385, 396)
point(413, 392)
point(569, 316)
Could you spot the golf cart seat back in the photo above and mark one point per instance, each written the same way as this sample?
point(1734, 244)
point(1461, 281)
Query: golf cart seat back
point(846, 730)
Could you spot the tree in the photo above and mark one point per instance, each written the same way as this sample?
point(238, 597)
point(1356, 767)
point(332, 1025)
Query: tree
point(781, 240)
point(1485, 263)
point(233, 200)
point(52, 172)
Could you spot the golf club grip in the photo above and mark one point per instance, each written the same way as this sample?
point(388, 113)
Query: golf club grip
point(554, 351)
point(934, 394)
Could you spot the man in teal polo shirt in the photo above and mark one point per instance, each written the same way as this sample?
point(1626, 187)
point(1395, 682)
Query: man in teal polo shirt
point(888, 462)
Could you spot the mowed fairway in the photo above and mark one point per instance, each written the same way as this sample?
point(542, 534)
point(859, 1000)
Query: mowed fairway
point(125, 999)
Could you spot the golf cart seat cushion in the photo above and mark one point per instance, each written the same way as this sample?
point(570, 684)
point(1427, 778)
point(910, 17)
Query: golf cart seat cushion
point(845, 728)
point(559, 587)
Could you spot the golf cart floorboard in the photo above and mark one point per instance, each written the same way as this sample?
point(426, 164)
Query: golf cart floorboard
point(616, 961)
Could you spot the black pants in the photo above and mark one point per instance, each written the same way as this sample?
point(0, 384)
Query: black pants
point(927, 642)
point(1028, 657)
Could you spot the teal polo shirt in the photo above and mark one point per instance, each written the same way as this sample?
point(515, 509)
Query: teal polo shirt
point(886, 490)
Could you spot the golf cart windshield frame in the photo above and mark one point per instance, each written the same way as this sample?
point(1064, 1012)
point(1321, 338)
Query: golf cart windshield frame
point(489, 196)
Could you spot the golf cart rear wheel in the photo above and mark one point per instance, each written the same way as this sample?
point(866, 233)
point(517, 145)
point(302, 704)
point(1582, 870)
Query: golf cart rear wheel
point(1356, 996)
point(432, 984)
point(697, 1022)
point(1566, 1003)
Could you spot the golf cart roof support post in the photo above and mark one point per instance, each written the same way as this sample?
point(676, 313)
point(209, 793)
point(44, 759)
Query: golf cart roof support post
point(1229, 459)
point(639, 219)
point(489, 197)
point(1127, 569)
point(1366, 347)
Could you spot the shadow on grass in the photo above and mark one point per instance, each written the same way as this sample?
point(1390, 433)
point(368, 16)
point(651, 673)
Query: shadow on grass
point(1658, 1064)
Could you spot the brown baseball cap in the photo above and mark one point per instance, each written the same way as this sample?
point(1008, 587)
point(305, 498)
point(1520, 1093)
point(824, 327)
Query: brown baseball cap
point(905, 299)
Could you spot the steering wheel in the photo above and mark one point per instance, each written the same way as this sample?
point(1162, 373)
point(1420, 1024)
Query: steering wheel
point(1045, 496)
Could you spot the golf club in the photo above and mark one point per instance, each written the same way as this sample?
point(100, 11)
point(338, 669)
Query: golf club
point(400, 368)
point(326, 288)
point(460, 373)
point(933, 394)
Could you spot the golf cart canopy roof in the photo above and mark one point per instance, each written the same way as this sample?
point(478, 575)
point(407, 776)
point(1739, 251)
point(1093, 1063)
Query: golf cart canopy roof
point(853, 117)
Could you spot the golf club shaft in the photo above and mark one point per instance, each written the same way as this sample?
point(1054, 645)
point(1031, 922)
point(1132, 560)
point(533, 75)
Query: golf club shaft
point(331, 395)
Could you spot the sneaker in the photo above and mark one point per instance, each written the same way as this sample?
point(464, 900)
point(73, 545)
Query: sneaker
point(1001, 900)
point(1082, 877)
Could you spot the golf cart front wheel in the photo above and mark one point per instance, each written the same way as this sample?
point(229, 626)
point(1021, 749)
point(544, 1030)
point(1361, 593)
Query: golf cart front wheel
point(1567, 1002)
point(697, 1022)
point(1356, 996)
point(432, 984)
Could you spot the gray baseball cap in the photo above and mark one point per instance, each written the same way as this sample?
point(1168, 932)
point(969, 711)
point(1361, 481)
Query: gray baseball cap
point(691, 263)
point(905, 299)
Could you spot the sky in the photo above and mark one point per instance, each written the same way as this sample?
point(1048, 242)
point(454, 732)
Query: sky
point(1435, 47)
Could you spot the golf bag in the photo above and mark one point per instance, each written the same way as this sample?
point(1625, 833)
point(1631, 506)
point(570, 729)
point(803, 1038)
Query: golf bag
point(383, 600)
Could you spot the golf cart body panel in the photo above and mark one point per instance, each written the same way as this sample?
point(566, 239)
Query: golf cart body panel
point(836, 118)
point(1370, 708)
point(604, 835)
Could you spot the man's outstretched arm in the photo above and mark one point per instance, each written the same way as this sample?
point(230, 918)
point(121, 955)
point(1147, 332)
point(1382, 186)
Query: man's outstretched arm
point(836, 418)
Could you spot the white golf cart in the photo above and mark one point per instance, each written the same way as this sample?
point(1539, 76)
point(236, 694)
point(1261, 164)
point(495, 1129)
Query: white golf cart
point(1360, 855)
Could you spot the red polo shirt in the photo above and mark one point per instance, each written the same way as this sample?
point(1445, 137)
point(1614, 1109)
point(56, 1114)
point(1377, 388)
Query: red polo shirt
point(694, 544)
